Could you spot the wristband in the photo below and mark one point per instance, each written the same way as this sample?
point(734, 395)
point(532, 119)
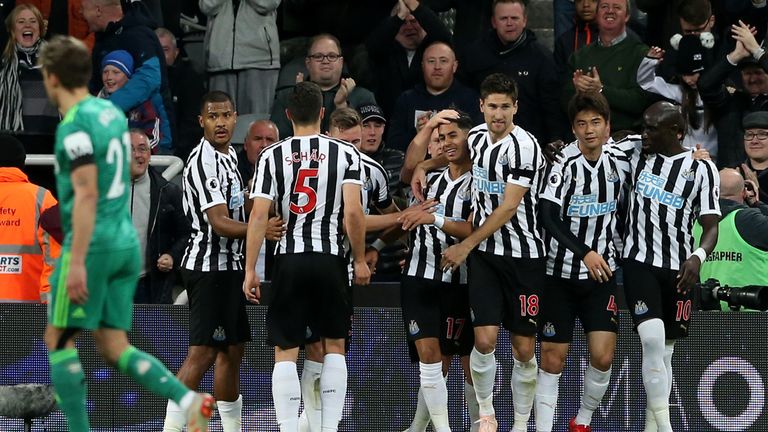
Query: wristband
point(439, 221)
point(701, 253)
point(757, 54)
point(378, 244)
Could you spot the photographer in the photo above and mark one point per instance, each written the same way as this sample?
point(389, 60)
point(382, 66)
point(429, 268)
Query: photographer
point(740, 257)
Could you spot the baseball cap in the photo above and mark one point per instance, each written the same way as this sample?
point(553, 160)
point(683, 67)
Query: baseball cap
point(371, 111)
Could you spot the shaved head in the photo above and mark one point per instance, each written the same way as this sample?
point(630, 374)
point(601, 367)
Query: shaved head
point(731, 184)
point(663, 129)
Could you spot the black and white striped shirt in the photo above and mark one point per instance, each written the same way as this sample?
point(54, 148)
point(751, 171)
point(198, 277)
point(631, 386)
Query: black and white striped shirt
point(211, 178)
point(588, 196)
point(375, 185)
point(516, 160)
point(304, 176)
point(427, 242)
point(668, 194)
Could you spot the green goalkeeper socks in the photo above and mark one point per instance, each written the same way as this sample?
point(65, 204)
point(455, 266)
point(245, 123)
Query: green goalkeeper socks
point(146, 370)
point(69, 383)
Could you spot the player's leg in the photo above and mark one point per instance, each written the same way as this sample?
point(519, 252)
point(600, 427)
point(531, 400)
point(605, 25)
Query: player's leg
point(233, 320)
point(67, 376)
point(226, 386)
point(526, 278)
point(311, 418)
point(333, 383)
point(469, 395)
point(432, 382)
point(555, 329)
point(286, 390)
point(598, 314)
point(644, 293)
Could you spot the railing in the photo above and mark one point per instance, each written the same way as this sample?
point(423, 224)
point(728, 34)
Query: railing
point(173, 164)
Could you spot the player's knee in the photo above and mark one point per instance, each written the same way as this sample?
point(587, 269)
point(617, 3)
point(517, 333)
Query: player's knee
point(430, 353)
point(552, 360)
point(57, 339)
point(601, 361)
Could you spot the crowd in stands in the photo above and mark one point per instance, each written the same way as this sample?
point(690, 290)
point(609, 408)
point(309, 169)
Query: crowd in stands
point(398, 63)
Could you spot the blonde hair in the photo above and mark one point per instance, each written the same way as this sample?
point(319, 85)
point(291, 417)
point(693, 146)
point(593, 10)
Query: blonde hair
point(10, 22)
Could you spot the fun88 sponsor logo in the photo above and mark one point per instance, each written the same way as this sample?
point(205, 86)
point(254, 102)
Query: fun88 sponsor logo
point(652, 187)
point(482, 184)
point(588, 206)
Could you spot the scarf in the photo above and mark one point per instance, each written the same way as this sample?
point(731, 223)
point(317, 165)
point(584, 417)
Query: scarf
point(10, 89)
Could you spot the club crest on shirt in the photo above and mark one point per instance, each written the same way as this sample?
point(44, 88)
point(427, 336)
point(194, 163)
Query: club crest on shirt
point(413, 328)
point(464, 193)
point(640, 308)
point(368, 185)
point(689, 174)
point(504, 159)
point(308, 333)
point(613, 176)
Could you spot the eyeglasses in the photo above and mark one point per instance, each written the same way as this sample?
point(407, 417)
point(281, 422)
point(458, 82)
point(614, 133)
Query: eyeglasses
point(333, 58)
point(761, 136)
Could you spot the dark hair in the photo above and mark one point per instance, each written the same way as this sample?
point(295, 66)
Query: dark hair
point(520, 2)
point(13, 155)
point(690, 110)
point(216, 96)
point(68, 59)
point(344, 118)
point(694, 12)
point(304, 103)
point(592, 101)
point(463, 121)
point(499, 83)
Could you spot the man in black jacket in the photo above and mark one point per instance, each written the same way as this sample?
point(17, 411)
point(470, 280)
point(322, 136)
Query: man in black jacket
point(160, 223)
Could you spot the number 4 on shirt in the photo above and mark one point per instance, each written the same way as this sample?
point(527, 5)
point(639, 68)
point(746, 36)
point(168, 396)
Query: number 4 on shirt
point(301, 187)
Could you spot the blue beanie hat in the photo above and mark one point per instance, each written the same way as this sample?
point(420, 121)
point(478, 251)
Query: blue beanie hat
point(120, 59)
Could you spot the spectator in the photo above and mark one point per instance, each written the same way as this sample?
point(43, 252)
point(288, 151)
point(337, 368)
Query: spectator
point(691, 54)
point(664, 19)
point(740, 257)
point(755, 167)
point(243, 51)
point(373, 145)
point(28, 250)
point(512, 49)
point(729, 108)
point(187, 88)
point(324, 62)
point(160, 224)
point(439, 91)
point(23, 103)
point(609, 65)
point(116, 72)
point(261, 133)
point(563, 15)
point(396, 46)
point(582, 32)
point(119, 29)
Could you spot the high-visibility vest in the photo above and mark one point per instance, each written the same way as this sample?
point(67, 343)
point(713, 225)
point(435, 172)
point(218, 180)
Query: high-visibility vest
point(27, 252)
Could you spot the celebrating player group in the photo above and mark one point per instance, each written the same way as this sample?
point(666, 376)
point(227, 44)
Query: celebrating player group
point(498, 236)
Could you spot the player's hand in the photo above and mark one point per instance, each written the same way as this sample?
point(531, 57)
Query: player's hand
point(453, 257)
point(688, 276)
point(252, 287)
point(419, 182)
point(553, 151)
point(77, 288)
point(371, 258)
point(441, 118)
point(165, 263)
point(599, 270)
point(362, 273)
point(275, 229)
point(345, 89)
point(655, 53)
point(701, 153)
point(413, 219)
point(428, 206)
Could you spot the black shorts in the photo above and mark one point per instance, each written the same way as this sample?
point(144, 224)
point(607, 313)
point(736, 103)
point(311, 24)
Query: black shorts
point(309, 299)
point(564, 300)
point(217, 314)
point(651, 292)
point(505, 291)
point(313, 337)
point(436, 309)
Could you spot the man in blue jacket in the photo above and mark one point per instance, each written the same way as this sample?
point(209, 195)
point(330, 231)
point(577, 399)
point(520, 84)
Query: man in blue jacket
point(129, 28)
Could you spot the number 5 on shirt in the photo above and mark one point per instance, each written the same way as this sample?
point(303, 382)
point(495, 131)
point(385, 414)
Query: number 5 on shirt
point(301, 187)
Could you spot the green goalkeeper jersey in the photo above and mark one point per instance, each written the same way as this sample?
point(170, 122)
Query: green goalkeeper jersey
point(96, 132)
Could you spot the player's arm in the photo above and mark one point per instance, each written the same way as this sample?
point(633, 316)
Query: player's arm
point(549, 212)
point(417, 149)
point(86, 195)
point(257, 230)
point(460, 229)
point(223, 225)
point(419, 179)
point(456, 254)
point(354, 223)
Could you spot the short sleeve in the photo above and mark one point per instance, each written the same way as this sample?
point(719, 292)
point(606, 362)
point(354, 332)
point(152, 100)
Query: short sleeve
point(353, 172)
point(524, 162)
point(263, 185)
point(78, 148)
point(383, 198)
point(709, 190)
point(208, 185)
point(555, 184)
